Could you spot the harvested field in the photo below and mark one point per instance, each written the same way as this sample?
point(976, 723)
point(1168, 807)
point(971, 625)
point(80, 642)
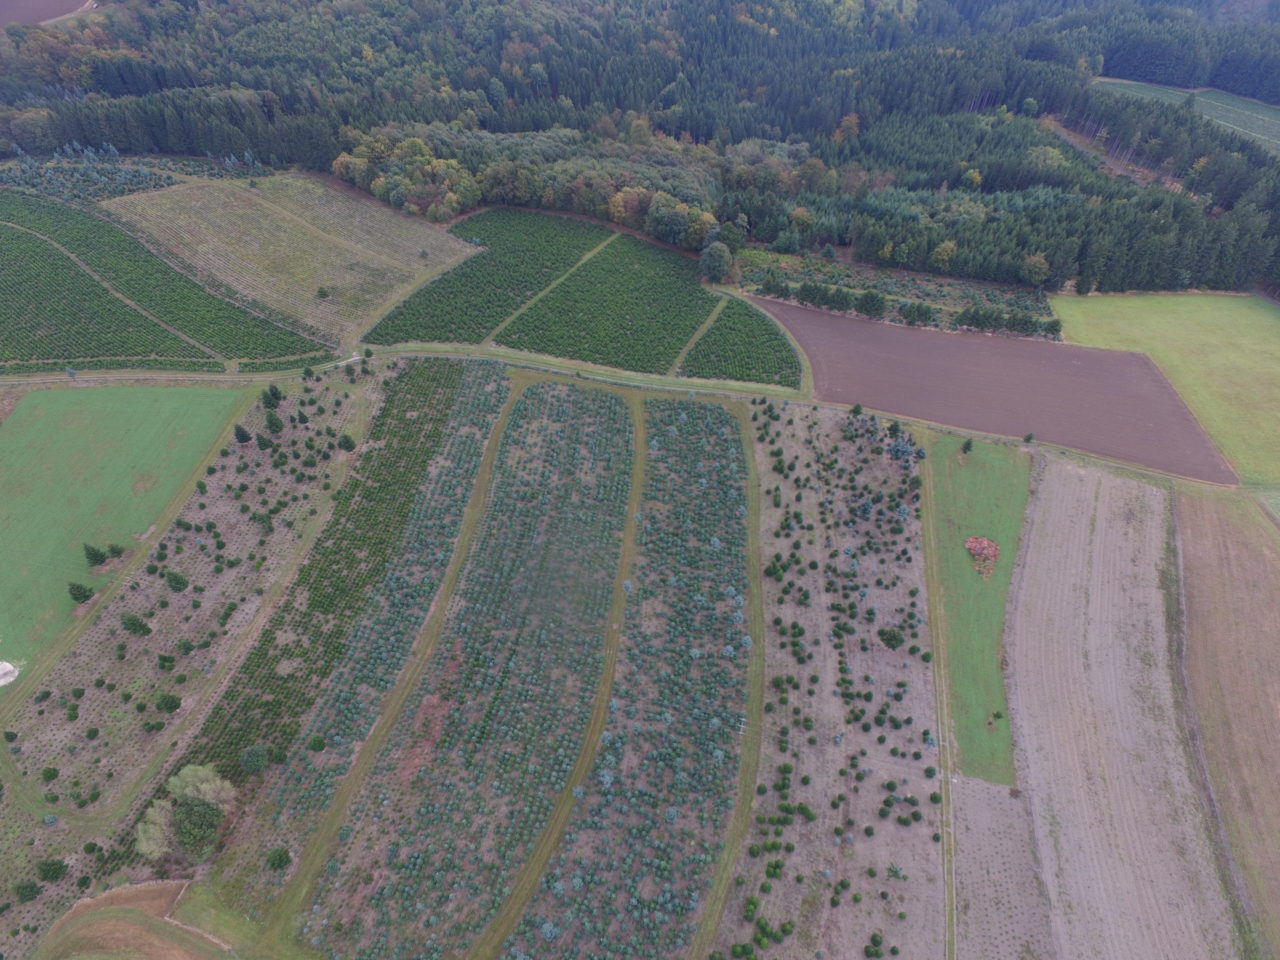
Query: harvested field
point(1109, 403)
point(1231, 569)
point(1002, 910)
point(1119, 826)
point(119, 933)
point(297, 246)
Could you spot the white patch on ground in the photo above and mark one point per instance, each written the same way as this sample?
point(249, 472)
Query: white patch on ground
point(8, 673)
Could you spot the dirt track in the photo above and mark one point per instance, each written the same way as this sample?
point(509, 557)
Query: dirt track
point(1106, 402)
point(1120, 832)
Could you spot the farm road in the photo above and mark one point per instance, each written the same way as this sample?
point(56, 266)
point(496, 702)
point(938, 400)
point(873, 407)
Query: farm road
point(1106, 402)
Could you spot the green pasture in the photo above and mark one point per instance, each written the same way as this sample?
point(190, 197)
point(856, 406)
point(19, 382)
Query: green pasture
point(95, 465)
point(1260, 121)
point(1221, 352)
point(979, 494)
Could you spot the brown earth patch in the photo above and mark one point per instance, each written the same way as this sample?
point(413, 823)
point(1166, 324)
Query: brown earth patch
point(153, 899)
point(8, 400)
point(1120, 830)
point(1002, 911)
point(1107, 402)
point(38, 11)
point(1231, 579)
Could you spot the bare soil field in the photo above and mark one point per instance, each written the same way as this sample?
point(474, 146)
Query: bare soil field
point(37, 11)
point(1002, 907)
point(1120, 830)
point(1106, 402)
point(1231, 575)
point(844, 853)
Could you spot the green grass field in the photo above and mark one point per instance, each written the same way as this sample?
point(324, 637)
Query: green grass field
point(1260, 121)
point(979, 494)
point(96, 465)
point(1222, 353)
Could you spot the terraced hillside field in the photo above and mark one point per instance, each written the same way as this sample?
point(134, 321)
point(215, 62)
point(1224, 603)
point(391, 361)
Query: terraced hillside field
point(299, 245)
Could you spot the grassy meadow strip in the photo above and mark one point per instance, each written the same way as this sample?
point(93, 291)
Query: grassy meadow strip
point(978, 493)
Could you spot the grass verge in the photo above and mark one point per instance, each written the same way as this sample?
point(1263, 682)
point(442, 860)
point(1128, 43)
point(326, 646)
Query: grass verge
point(982, 493)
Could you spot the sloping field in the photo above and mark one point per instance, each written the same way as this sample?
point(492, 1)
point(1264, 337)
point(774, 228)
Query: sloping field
point(632, 305)
point(1260, 121)
point(1222, 353)
point(1114, 404)
point(95, 465)
point(1231, 571)
point(133, 272)
point(311, 251)
point(51, 308)
point(1119, 827)
point(523, 253)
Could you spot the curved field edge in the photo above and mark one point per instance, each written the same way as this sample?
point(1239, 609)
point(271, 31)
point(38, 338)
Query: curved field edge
point(741, 342)
point(982, 493)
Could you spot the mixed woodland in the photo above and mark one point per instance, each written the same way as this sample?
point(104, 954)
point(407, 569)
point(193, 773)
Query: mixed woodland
point(952, 136)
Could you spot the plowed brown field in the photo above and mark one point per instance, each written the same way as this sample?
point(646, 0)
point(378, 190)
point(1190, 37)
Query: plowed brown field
point(36, 11)
point(1107, 402)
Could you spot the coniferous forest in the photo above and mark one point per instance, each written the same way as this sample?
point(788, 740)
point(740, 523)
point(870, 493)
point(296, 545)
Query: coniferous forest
point(952, 136)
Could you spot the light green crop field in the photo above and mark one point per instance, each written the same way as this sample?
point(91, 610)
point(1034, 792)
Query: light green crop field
point(1222, 353)
point(1260, 121)
point(979, 494)
point(94, 465)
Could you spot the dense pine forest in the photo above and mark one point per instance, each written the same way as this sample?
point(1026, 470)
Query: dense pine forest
point(931, 135)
